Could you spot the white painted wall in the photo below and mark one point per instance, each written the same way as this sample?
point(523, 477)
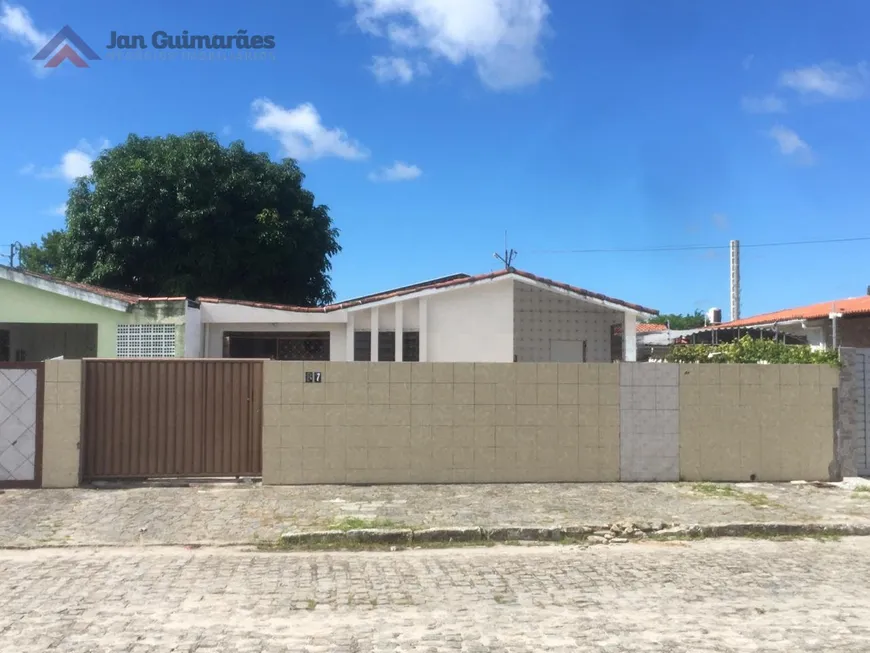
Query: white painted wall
point(472, 324)
point(542, 317)
point(337, 343)
point(192, 332)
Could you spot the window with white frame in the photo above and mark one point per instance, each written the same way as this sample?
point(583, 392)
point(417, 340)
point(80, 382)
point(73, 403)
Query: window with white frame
point(146, 341)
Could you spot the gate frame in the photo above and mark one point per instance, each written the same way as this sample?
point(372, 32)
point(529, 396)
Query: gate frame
point(36, 482)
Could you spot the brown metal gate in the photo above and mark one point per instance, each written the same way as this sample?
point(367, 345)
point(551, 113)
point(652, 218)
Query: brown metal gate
point(148, 418)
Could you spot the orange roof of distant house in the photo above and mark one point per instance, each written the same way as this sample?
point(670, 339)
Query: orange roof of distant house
point(646, 327)
point(848, 307)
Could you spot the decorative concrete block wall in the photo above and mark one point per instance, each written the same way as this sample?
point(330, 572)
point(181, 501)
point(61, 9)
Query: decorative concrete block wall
point(440, 423)
point(756, 422)
point(544, 319)
point(853, 429)
point(649, 414)
point(61, 426)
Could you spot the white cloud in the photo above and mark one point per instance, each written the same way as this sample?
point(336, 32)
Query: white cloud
point(301, 132)
point(73, 164)
point(58, 210)
point(763, 104)
point(392, 69)
point(399, 171)
point(17, 25)
point(791, 145)
point(830, 81)
point(501, 37)
point(27, 169)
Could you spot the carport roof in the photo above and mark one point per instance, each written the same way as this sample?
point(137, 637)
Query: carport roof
point(76, 290)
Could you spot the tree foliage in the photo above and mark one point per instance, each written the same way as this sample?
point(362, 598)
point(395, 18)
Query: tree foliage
point(750, 350)
point(679, 321)
point(44, 257)
point(186, 216)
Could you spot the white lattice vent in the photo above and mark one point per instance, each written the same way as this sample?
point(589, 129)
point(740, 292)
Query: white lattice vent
point(146, 341)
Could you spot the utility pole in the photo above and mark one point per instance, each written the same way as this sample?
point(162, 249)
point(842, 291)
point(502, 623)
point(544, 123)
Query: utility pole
point(14, 248)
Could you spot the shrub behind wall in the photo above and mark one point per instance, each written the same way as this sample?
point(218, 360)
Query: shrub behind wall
point(749, 350)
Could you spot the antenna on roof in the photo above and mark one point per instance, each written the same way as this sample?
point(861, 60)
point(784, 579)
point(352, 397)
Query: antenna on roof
point(508, 257)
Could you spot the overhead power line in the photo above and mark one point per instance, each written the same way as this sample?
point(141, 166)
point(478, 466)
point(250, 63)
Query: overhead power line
point(686, 248)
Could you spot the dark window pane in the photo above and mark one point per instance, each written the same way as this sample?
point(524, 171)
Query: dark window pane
point(362, 345)
point(4, 345)
point(386, 346)
point(411, 346)
point(241, 347)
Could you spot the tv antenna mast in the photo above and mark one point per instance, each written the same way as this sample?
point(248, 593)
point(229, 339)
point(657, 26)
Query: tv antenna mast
point(508, 257)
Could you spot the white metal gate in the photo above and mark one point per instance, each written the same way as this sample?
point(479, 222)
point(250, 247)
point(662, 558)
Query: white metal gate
point(21, 394)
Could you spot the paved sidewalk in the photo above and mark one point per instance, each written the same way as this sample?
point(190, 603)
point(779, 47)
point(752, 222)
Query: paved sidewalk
point(724, 596)
point(243, 514)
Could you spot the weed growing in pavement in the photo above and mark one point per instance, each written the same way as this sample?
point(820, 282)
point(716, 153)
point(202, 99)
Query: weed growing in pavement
point(356, 523)
point(714, 490)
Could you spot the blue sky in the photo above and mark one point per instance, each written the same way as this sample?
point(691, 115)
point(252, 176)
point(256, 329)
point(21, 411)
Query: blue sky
point(431, 127)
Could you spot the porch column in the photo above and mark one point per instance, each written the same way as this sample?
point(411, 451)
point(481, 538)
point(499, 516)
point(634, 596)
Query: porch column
point(424, 329)
point(400, 314)
point(350, 338)
point(375, 334)
point(629, 337)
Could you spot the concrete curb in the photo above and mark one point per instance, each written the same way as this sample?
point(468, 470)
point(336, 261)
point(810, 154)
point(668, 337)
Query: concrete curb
point(593, 534)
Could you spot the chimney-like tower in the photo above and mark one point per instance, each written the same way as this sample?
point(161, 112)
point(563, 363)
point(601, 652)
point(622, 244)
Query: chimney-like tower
point(735, 279)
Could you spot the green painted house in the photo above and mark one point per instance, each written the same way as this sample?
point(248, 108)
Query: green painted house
point(42, 317)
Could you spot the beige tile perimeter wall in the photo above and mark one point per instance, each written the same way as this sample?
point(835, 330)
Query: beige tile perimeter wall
point(770, 422)
point(540, 422)
point(61, 424)
point(440, 423)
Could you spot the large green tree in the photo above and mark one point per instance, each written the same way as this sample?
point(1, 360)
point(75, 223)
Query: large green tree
point(186, 216)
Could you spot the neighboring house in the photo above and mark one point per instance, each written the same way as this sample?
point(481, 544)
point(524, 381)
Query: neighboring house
point(502, 316)
point(42, 317)
point(836, 323)
point(643, 329)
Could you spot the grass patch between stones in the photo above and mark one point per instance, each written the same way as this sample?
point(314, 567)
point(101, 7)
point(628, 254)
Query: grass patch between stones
point(861, 492)
point(356, 523)
point(716, 491)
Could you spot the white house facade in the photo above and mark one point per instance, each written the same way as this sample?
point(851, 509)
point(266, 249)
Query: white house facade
point(498, 317)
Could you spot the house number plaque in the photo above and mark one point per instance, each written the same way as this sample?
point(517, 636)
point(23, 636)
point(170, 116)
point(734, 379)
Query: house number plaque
point(312, 377)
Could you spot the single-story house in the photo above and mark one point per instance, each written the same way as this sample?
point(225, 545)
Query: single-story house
point(502, 316)
point(831, 324)
point(42, 317)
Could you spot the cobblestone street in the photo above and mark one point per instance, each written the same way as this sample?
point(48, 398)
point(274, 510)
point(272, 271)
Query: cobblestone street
point(723, 595)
